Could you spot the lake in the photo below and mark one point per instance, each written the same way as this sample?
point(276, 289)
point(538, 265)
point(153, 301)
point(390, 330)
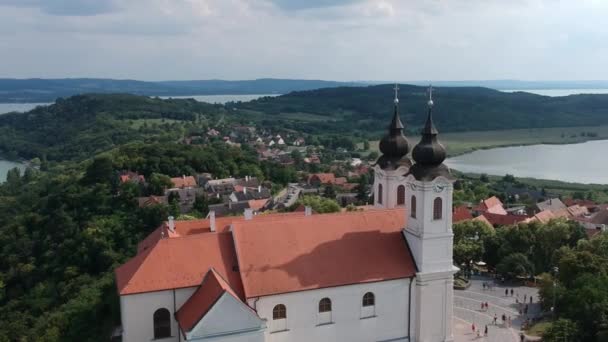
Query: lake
point(580, 163)
point(24, 107)
point(19, 107)
point(559, 92)
point(221, 98)
point(6, 165)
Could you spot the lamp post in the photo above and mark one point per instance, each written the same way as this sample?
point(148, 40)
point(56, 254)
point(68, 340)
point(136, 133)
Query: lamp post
point(555, 270)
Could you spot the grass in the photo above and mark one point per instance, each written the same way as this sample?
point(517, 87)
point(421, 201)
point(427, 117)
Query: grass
point(140, 122)
point(538, 329)
point(463, 142)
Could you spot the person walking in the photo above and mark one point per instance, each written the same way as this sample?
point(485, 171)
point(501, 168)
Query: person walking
point(485, 332)
point(525, 297)
point(473, 327)
point(511, 292)
point(504, 319)
point(506, 292)
point(495, 319)
point(522, 338)
point(531, 299)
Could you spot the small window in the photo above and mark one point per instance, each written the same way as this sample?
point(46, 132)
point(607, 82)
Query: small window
point(401, 195)
point(413, 207)
point(325, 305)
point(369, 299)
point(279, 312)
point(380, 193)
point(162, 323)
point(437, 208)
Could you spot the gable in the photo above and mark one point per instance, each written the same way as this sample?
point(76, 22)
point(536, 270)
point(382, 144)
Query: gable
point(227, 316)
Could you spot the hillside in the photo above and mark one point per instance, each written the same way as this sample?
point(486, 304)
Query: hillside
point(47, 90)
point(80, 126)
point(456, 108)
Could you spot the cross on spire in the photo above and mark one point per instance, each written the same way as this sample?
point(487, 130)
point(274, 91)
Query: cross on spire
point(430, 96)
point(396, 88)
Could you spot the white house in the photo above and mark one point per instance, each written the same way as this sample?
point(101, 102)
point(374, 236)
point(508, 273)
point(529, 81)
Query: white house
point(377, 275)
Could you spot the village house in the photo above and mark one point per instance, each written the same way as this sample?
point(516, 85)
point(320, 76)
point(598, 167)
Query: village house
point(134, 177)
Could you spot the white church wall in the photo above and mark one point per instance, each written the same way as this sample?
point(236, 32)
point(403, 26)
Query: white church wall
point(390, 181)
point(387, 320)
point(137, 312)
point(229, 320)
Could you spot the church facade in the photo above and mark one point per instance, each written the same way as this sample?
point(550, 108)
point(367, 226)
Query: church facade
point(384, 274)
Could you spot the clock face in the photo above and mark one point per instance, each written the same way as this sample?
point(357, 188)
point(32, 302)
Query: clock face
point(439, 187)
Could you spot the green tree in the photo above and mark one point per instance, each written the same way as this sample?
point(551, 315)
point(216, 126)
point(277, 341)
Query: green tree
point(515, 265)
point(158, 183)
point(100, 171)
point(319, 204)
point(562, 330)
point(329, 191)
point(362, 186)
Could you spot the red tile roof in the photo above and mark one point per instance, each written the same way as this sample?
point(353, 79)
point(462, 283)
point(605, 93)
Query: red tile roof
point(544, 216)
point(258, 204)
point(461, 213)
point(323, 178)
point(183, 182)
point(504, 220)
point(482, 218)
point(178, 263)
point(302, 253)
point(492, 205)
point(193, 227)
point(202, 300)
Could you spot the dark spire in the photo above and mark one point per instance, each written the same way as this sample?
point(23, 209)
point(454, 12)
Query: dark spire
point(394, 146)
point(429, 151)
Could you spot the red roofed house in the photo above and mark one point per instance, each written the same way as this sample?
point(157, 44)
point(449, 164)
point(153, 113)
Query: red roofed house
point(183, 182)
point(318, 179)
point(491, 205)
point(132, 177)
point(373, 275)
point(461, 213)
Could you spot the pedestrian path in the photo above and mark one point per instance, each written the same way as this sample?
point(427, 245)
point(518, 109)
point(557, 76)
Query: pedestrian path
point(468, 310)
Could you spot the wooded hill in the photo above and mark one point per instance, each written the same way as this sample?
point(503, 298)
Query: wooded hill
point(347, 109)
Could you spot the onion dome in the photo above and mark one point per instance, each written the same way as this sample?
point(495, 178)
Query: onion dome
point(394, 146)
point(429, 154)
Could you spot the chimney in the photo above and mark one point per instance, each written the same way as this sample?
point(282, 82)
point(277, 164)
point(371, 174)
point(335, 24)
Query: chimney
point(212, 220)
point(246, 178)
point(248, 214)
point(229, 204)
point(259, 188)
point(171, 223)
point(307, 211)
point(245, 190)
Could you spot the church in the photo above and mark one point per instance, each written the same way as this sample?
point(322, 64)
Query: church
point(384, 274)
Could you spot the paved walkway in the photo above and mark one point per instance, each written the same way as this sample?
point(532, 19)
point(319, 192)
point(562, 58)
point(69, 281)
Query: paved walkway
point(468, 311)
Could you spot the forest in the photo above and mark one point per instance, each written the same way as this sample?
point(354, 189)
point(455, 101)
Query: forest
point(457, 109)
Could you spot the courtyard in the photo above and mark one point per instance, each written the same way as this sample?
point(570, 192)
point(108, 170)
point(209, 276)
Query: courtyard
point(468, 311)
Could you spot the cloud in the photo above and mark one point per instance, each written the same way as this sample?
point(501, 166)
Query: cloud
point(295, 5)
point(66, 7)
point(343, 40)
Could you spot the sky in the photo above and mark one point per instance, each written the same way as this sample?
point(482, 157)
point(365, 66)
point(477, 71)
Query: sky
point(348, 40)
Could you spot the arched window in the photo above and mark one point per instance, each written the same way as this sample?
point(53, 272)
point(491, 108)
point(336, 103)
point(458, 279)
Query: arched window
point(369, 299)
point(401, 195)
point(279, 312)
point(413, 207)
point(437, 208)
point(380, 193)
point(162, 323)
point(325, 305)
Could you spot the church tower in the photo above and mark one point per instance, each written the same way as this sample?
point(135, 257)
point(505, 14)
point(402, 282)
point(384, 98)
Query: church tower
point(390, 169)
point(429, 235)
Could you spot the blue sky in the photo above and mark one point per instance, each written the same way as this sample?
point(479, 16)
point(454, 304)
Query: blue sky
point(314, 39)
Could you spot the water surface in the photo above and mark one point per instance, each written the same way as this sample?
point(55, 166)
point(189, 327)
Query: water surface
point(221, 98)
point(19, 107)
point(6, 165)
point(560, 92)
point(580, 163)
